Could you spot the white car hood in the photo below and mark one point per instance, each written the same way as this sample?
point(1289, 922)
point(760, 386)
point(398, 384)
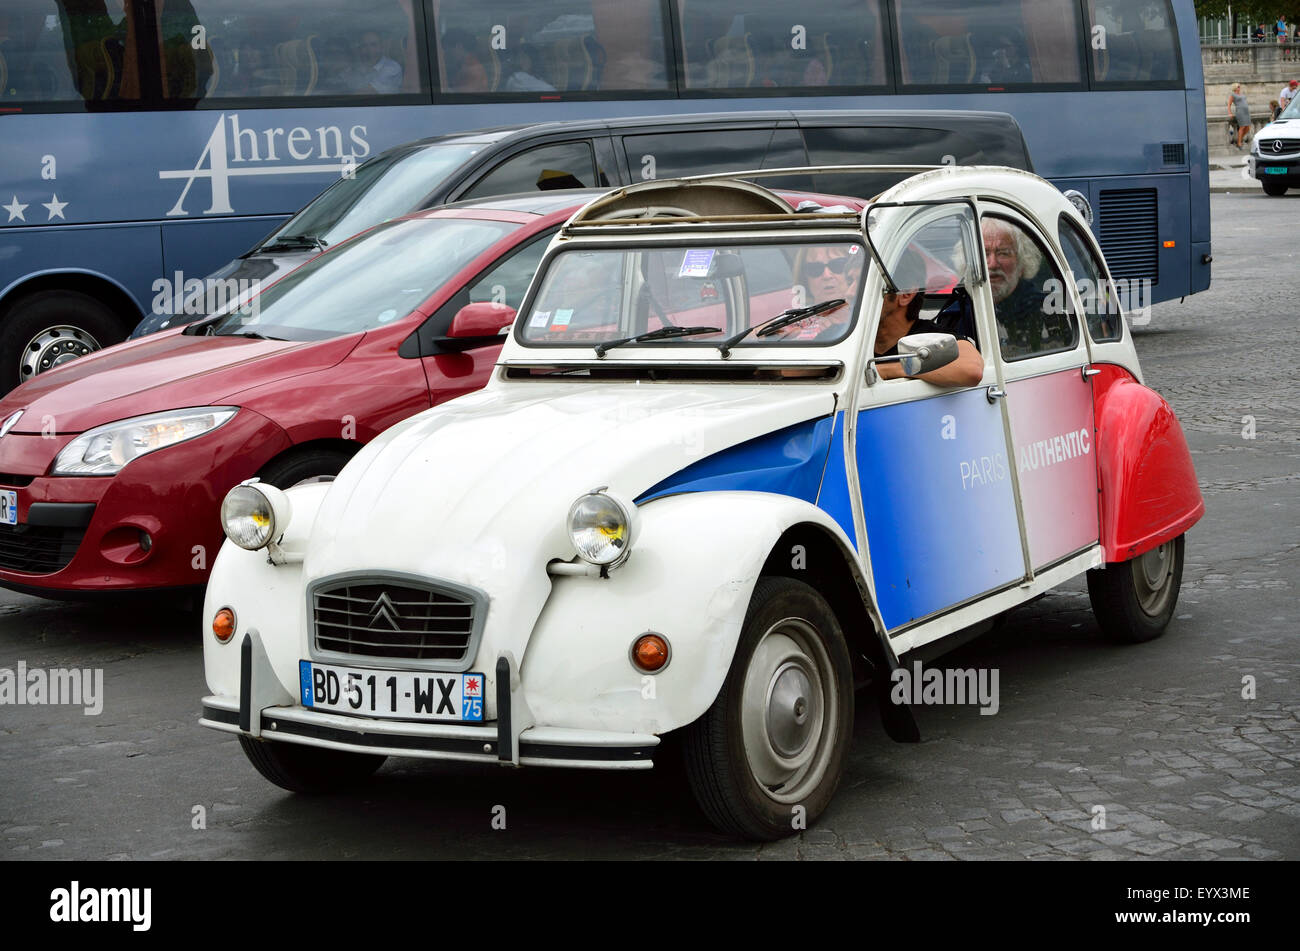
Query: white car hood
point(477, 491)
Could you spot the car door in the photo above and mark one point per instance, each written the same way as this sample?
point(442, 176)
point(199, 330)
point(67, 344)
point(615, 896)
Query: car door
point(1048, 386)
point(932, 463)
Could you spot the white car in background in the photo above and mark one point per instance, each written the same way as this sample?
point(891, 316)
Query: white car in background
point(693, 498)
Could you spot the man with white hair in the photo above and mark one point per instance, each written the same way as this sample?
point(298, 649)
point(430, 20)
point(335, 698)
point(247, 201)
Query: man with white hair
point(1013, 261)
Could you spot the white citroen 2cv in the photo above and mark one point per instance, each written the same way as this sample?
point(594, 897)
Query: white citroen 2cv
point(736, 461)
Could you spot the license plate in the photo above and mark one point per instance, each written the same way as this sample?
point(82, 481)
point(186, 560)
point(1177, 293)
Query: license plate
point(399, 694)
point(8, 507)
point(1275, 170)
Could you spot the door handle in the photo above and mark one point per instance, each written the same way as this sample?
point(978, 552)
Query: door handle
point(994, 394)
point(1090, 372)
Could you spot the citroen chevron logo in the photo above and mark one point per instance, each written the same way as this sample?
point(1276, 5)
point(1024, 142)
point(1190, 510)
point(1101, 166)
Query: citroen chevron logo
point(384, 610)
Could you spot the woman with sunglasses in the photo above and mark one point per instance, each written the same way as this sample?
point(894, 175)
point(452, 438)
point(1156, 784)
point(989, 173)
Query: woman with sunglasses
point(822, 273)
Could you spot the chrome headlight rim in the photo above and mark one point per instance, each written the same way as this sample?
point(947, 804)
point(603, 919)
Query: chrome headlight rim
point(628, 517)
point(71, 459)
point(253, 494)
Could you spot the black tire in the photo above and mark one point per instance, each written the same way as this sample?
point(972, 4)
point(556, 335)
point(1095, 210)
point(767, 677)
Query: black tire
point(308, 769)
point(50, 327)
point(295, 466)
point(1134, 600)
point(790, 632)
point(1276, 189)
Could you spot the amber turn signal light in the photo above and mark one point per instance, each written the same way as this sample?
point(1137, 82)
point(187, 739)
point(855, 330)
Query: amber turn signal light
point(223, 625)
point(650, 652)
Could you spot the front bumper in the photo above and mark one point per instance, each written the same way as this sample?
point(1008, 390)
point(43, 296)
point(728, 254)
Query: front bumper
point(1290, 163)
point(264, 709)
point(83, 535)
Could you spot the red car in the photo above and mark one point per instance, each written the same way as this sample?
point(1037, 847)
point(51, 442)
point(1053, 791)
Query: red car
point(113, 468)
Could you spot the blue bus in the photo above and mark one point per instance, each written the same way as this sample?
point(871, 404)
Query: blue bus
point(147, 142)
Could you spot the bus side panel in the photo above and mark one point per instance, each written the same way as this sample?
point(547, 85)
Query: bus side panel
point(1198, 155)
point(1142, 224)
point(129, 256)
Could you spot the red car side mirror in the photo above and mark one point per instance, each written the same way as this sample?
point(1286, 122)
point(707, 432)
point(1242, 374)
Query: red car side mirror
point(483, 319)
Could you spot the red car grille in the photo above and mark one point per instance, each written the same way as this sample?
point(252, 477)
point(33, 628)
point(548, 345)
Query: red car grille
point(37, 549)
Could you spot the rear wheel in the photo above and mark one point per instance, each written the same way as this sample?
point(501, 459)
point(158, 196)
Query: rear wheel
point(50, 328)
point(765, 759)
point(308, 769)
point(1134, 600)
point(293, 467)
point(1275, 189)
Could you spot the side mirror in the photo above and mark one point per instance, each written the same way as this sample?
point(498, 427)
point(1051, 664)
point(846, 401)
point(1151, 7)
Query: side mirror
point(921, 353)
point(483, 319)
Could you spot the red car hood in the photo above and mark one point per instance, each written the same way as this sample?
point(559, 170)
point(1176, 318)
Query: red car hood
point(160, 372)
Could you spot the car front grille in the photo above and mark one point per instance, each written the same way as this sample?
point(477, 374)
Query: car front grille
point(38, 549)
point(1277, 148)
point(436, 624)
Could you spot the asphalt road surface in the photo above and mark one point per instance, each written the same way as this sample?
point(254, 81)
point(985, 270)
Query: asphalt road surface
point(1096, 752)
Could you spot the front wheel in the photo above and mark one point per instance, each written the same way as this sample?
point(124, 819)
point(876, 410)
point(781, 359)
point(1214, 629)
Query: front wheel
point(308, 769)
point(1134, 600)
point(765, 759)
point(1276, 189)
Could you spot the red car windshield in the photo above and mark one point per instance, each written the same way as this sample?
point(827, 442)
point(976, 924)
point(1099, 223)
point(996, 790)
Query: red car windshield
point(370, 282)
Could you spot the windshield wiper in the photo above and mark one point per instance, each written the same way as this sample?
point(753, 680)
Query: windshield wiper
point(663, 333)
point(783, 319)
point(296, 242)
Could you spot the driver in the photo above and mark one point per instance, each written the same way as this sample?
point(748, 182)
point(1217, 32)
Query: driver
point(900, 315)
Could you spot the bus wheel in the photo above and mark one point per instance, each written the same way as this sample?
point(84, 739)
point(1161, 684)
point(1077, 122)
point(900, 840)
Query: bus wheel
point(1275, 189)
point(765, 759)
point(1134, 600)
point(50, 328)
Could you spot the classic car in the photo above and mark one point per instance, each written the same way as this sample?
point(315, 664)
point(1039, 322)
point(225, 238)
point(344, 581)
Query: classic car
point(736, 460)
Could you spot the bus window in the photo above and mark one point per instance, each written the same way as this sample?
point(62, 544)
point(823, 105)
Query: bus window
point(1133, 41)
point(758, 44)
point(48, 53)
point(671, 154)
point(249, 49)
point(526, 48)
point(546, 168)
point(971, 43)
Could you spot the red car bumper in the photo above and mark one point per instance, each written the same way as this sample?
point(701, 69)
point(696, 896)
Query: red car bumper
point(153, 525)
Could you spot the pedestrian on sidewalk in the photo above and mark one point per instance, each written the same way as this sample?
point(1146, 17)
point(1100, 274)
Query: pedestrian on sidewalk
point(1280, 29)
point(1289, 92)
point(1239, 109)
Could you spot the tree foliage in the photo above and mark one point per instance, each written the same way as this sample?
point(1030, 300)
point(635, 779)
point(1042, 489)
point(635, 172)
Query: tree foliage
point(1262, 12)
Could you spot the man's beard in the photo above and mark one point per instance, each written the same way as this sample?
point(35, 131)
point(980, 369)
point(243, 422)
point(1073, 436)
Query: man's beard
point(1003, 291)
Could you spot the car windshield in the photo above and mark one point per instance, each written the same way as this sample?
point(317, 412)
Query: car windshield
point(372, 281)
point(385, 187)
point(1292, 111)
point(590, 297)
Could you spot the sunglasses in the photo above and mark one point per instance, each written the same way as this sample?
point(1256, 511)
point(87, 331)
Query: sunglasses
point(814, 269)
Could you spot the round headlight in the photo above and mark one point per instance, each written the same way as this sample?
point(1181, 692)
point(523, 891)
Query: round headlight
point(254, 515)
point(602, 528)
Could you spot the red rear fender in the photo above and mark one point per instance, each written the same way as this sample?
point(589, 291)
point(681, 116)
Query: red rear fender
point(1149, 492)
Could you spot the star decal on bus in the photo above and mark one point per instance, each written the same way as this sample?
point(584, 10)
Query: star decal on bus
point(55, 207)
point(15, 209)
